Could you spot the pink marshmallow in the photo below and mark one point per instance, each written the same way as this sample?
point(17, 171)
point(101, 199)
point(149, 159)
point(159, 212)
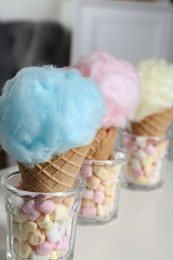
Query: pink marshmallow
point(56, 245)
point(64, 243)
point(138, 173)
point(86, 171)
point(29, 208)
point(44, 248)
point(150, 149)
point(45, 206)
point(118, 81)
point(127, 139)
point(89, 211)
point(98, 196)
point(131, 147)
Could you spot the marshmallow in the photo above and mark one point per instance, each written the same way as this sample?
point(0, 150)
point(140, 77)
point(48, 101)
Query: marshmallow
point(131, 147)
point(19, 232)
point(98, 196)
point(87, 194)
point(110, 190)
point(86, 171)
point(111, 179)
point(60, 213)
point(45, 206)
point(100, 172)
point(44, 221)
point(141, 141)
point(93, 182)
point(140, 154)
point(68, 202)
point(113, 168)
point(34, 256)
point(88, 203)
point(150, 149)
point(16, 203)
point(22, 249)
point(100, 210)
point(29, 208)
point(136, 165)
point(101, 188)
point(89, 211)
point(30, 226)
point(20, 217)
point(53, 234)
point(138, 173)
point(64, 243)
point(37, 237)
point(44, 248)
point(56, 254)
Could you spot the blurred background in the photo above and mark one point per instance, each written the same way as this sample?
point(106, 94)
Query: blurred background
point(58, 32)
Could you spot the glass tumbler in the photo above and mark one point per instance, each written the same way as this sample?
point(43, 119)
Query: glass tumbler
point(147, 160)
point(101, 196)
point(40, 226)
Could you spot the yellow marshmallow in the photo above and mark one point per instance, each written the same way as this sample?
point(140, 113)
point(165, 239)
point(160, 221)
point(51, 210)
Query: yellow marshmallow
point(113, 168)
point(30, 226)
point(60, 213)
point(22, 249)
point(100, 210)
point(93, 182)
point(55, 255)
point(19, 232)
point(100, 172)
point(68, 202)
point(44, 221)
point(111, 179)
point(88, 203)
point(110, 190)
point(37, 237)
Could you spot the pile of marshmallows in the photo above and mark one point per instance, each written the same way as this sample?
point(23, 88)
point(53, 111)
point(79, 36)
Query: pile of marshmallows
point(41, 227)
point(145, 159)
point(102, 181)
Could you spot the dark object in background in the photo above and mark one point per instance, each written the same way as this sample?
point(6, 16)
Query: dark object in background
point(24, 44)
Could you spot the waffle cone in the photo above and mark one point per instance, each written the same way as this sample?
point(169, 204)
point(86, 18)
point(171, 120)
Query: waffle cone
point(102, 146)
point(58, 174)
point(153, 125)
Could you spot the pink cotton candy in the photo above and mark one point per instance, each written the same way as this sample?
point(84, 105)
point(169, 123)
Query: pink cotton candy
point(119, 83)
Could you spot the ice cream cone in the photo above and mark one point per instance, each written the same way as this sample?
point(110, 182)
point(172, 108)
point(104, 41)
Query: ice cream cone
point(102, 146)
point(153, 125)
point(58, 174)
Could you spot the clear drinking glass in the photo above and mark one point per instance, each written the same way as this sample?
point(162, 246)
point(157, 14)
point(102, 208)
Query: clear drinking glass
point(40, 226)
point(101, 196)
point(147, 160)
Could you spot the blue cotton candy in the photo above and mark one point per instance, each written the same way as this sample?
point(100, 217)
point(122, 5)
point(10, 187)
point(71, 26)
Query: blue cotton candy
point(45, 111)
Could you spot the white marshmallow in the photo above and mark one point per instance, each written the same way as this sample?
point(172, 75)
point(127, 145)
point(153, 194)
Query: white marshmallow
point(140, 154)
point(141, 141)
point(39, 257)
point(136, 165)
point(88, 194)
point(53, 235)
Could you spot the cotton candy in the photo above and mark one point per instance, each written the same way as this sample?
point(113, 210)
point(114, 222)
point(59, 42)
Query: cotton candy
point(118, 81)
point(45, 111)
point(156, 87)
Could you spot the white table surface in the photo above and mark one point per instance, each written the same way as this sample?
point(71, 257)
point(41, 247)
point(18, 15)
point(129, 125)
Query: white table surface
point(143, 229)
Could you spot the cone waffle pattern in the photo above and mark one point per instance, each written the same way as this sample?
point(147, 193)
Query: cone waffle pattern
point(102, 146)
point(154, 125)
point(58, 174)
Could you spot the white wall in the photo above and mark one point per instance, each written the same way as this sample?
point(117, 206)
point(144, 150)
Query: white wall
point(54, 10)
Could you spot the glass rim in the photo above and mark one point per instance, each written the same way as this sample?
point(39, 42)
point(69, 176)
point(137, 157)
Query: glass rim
point(156, 138)
point(120, 160)
point(18, 192)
